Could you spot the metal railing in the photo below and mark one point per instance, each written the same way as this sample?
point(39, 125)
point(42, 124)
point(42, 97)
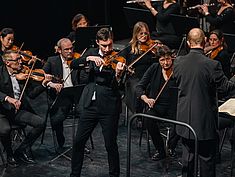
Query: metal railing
point(133, 117)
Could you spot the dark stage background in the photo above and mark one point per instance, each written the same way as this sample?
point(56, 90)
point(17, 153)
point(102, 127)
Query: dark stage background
point(41, 23)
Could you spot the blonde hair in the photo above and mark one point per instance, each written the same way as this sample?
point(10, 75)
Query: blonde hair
point(134, 41)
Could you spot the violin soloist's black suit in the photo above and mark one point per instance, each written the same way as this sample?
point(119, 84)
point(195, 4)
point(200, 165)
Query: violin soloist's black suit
point(54, 67)
point(198, 78)
point(24, 115)
point(104, 109)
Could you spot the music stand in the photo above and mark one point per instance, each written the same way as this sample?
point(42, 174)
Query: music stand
point(133, 15)
point(67, 96)
point(85, 37)
point(182, 25)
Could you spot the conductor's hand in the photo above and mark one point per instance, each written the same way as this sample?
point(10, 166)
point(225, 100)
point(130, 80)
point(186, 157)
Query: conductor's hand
point(14, 102)
point(98, 61)
point(56, 86)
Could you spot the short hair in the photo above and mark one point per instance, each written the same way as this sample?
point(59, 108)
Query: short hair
point(163, 51)
point(5, 31)
point(196, 37)
point(7, 54)
point(104, 34)
point(61, 41)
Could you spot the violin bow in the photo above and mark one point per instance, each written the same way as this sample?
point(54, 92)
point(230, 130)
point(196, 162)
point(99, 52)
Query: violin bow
point(161, 90)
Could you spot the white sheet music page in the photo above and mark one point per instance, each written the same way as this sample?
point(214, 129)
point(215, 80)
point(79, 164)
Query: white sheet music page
point(228, 107)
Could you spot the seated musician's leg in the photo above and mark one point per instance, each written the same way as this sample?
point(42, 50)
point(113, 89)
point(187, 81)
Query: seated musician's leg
point(6, 140)
point(37, 123)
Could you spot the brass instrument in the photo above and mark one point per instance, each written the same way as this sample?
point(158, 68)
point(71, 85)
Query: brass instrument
point(140, 1)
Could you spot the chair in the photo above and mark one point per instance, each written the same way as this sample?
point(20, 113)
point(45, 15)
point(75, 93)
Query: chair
point(164, 131)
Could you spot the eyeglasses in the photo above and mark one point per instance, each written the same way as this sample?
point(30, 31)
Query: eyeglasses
point(16, 60)
point(144, 33)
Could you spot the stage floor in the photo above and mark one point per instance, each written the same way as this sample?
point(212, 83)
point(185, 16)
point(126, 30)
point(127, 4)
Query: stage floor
point(95, 164)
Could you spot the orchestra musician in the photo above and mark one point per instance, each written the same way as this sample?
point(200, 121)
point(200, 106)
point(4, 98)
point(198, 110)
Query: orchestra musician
point(58, 66)
point(79, 20)
point(14, 110)
point(139, 44)
point(165, 31)
point(224, 17)
point(7, 36)
point(100, 101)
point(157, 78)
point(197, 78)
point(217, 50)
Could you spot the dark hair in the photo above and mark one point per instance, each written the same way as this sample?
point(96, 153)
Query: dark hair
point(5, 31)
point(163, 51)
point(76, 19)
point(104, 34)
point(220, 36)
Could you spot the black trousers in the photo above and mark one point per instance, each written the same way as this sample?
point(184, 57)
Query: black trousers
point(89, 119)
point(36, 122)
point(206, 155)
point(152, 126)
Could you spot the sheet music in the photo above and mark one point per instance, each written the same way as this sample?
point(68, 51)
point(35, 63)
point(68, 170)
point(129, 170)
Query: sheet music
point(228, 107)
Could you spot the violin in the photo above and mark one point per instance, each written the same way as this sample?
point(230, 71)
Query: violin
point(37, 74)
point(75, 56)
point(112, 60)
point(214, 52)
point(26, 54)
point(148, 46)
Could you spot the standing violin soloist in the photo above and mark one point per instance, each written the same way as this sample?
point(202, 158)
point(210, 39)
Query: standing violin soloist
point(100, 102)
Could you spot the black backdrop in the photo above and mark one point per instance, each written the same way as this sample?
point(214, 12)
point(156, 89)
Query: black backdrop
point(41, 23)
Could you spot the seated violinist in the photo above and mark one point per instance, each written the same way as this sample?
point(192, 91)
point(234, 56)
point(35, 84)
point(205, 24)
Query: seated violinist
point(138, 45)
point(100, 101)
point(58, 66)
point(15, 109)
point(157, 90)
point(217, 50)
point(6, 40)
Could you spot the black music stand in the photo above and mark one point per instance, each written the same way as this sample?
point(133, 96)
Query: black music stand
point(67, 96)
point(134, 15)
point(182, 25)
point(85, 37)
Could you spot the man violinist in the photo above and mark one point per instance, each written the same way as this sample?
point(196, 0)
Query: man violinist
point(100, 103)
point(162, 104)
point(14, 110)
point(58, 66)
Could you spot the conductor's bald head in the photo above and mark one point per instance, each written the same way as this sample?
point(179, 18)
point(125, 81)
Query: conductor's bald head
point(196, 38)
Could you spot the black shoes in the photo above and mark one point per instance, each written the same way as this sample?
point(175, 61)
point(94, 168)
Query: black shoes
point(12, 162)
point(158, 156)
point(172, 152)
point(21, 155)
point(87, 151)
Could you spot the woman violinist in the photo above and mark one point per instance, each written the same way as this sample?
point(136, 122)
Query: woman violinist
point(217, 50)
point(139, 44)
point(7, 37)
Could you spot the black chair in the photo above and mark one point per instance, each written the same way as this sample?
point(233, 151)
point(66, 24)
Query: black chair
point(4, 162)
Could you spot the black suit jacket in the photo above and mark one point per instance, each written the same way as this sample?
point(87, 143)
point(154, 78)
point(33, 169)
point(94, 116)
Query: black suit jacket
point(6, 89)
point(54, 66)
point(103, 83)
point(198, 78)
